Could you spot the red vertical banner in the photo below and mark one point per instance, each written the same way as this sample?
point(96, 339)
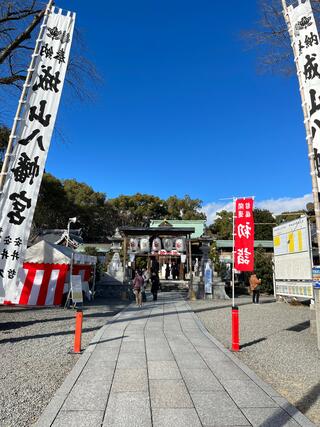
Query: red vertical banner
point(244, 235)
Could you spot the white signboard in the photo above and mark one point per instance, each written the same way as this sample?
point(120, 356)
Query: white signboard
point(305, 42)
point(20, 193)
point(76, 289)
point(293, 259)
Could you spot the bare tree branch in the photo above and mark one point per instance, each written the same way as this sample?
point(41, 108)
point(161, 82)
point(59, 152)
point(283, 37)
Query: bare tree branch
point(25, 35)
point(271, 37)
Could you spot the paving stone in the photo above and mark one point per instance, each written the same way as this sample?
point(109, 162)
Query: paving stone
point(107, 356)
point(78, 419)
point(200, 380)
point(128, 410)
point(247, 394)
point(130, 380)
point(121, 353)
point(169, 417)
point(131, 360)
point(163, 370)
point(218, 409)
point(226, 370)
point(90, 397)
point(169, 394)
point(212, 354)
point(133, 347)
point(159, 355)
point(269, 417)
point(91, 375)
point(189, 362)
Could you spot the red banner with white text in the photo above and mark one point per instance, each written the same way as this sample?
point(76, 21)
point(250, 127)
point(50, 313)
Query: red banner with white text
point(244, 235)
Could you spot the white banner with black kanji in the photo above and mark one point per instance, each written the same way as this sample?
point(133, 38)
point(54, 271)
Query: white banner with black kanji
point(20, 193)
point(305, 43)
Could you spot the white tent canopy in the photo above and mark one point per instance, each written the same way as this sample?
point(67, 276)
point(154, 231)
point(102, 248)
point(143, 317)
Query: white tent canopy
point(49, 253)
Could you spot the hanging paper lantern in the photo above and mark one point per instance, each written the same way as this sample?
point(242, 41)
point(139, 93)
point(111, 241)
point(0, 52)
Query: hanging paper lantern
point(180, 245)
point(156, 244)
point(167, 244)
point(144, 245)
point(134, 243)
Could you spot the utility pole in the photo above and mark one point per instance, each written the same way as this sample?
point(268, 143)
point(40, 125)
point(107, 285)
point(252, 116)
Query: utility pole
point(315, 189)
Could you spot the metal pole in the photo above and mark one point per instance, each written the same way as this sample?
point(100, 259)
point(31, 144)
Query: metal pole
point(315, 190)
point(191, 292)
point(233, 218)
point(68, 234)
point(94, 280)
point(22, 101)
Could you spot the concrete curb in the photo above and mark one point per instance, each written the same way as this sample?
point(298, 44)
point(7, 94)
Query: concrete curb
point(291, 410)
point(52, 409)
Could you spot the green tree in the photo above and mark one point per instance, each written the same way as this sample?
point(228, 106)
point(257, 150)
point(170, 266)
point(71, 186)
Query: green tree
point(186, 208)
point(222, 226)
point(81, 194)
point(95, 215)
point(264, 223)
point(263, 269)
point(60, 200)
point(139, 209)
point(53, 207)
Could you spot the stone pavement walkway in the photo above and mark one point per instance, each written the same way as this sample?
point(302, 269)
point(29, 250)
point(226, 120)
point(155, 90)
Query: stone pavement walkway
point(158, 366)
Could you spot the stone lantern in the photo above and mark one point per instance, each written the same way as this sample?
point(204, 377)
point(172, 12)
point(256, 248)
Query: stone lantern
point(115, 268)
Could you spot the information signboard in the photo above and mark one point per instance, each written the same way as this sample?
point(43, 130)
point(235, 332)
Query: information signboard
point(293, 259)
point(76, 288)
point(316, 276)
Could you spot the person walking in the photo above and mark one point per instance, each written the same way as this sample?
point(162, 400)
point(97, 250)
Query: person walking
point(137, 287)
point(155, 284)
point(255, 283)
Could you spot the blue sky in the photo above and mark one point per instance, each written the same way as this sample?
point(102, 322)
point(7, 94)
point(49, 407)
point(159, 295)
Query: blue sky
point(182, 109)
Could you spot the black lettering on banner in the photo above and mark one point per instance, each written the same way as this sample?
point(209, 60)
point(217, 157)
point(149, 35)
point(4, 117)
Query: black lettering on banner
point(311, 67)
point(311, 40)
point(314, 129)
point(26, 169)
point(317, 161)
point(7, 240)
point(1, 273)
point(4, 254)
point(11, 273)
point(314, 106)
point(46, 51)
point(55, 34)
point(20, 203)
point(18, 242)
point(30, 138)
point(301, 47)
point(47, 81)
point(15, 255)
point(40, 117)
point(60, 56)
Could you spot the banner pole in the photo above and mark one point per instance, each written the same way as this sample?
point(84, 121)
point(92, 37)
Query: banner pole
point(22, 102)
point(233, 218)
point(315, 189)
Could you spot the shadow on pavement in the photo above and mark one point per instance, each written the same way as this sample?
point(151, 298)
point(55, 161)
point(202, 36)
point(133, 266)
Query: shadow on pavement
point(54, 334)
point(303, 404)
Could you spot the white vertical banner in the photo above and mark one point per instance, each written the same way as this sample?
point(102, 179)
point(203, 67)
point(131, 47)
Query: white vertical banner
point(305, 43)
point(19, 197)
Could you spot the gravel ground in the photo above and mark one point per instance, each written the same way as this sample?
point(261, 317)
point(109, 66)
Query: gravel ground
point(34, 358)
point(276, 344)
